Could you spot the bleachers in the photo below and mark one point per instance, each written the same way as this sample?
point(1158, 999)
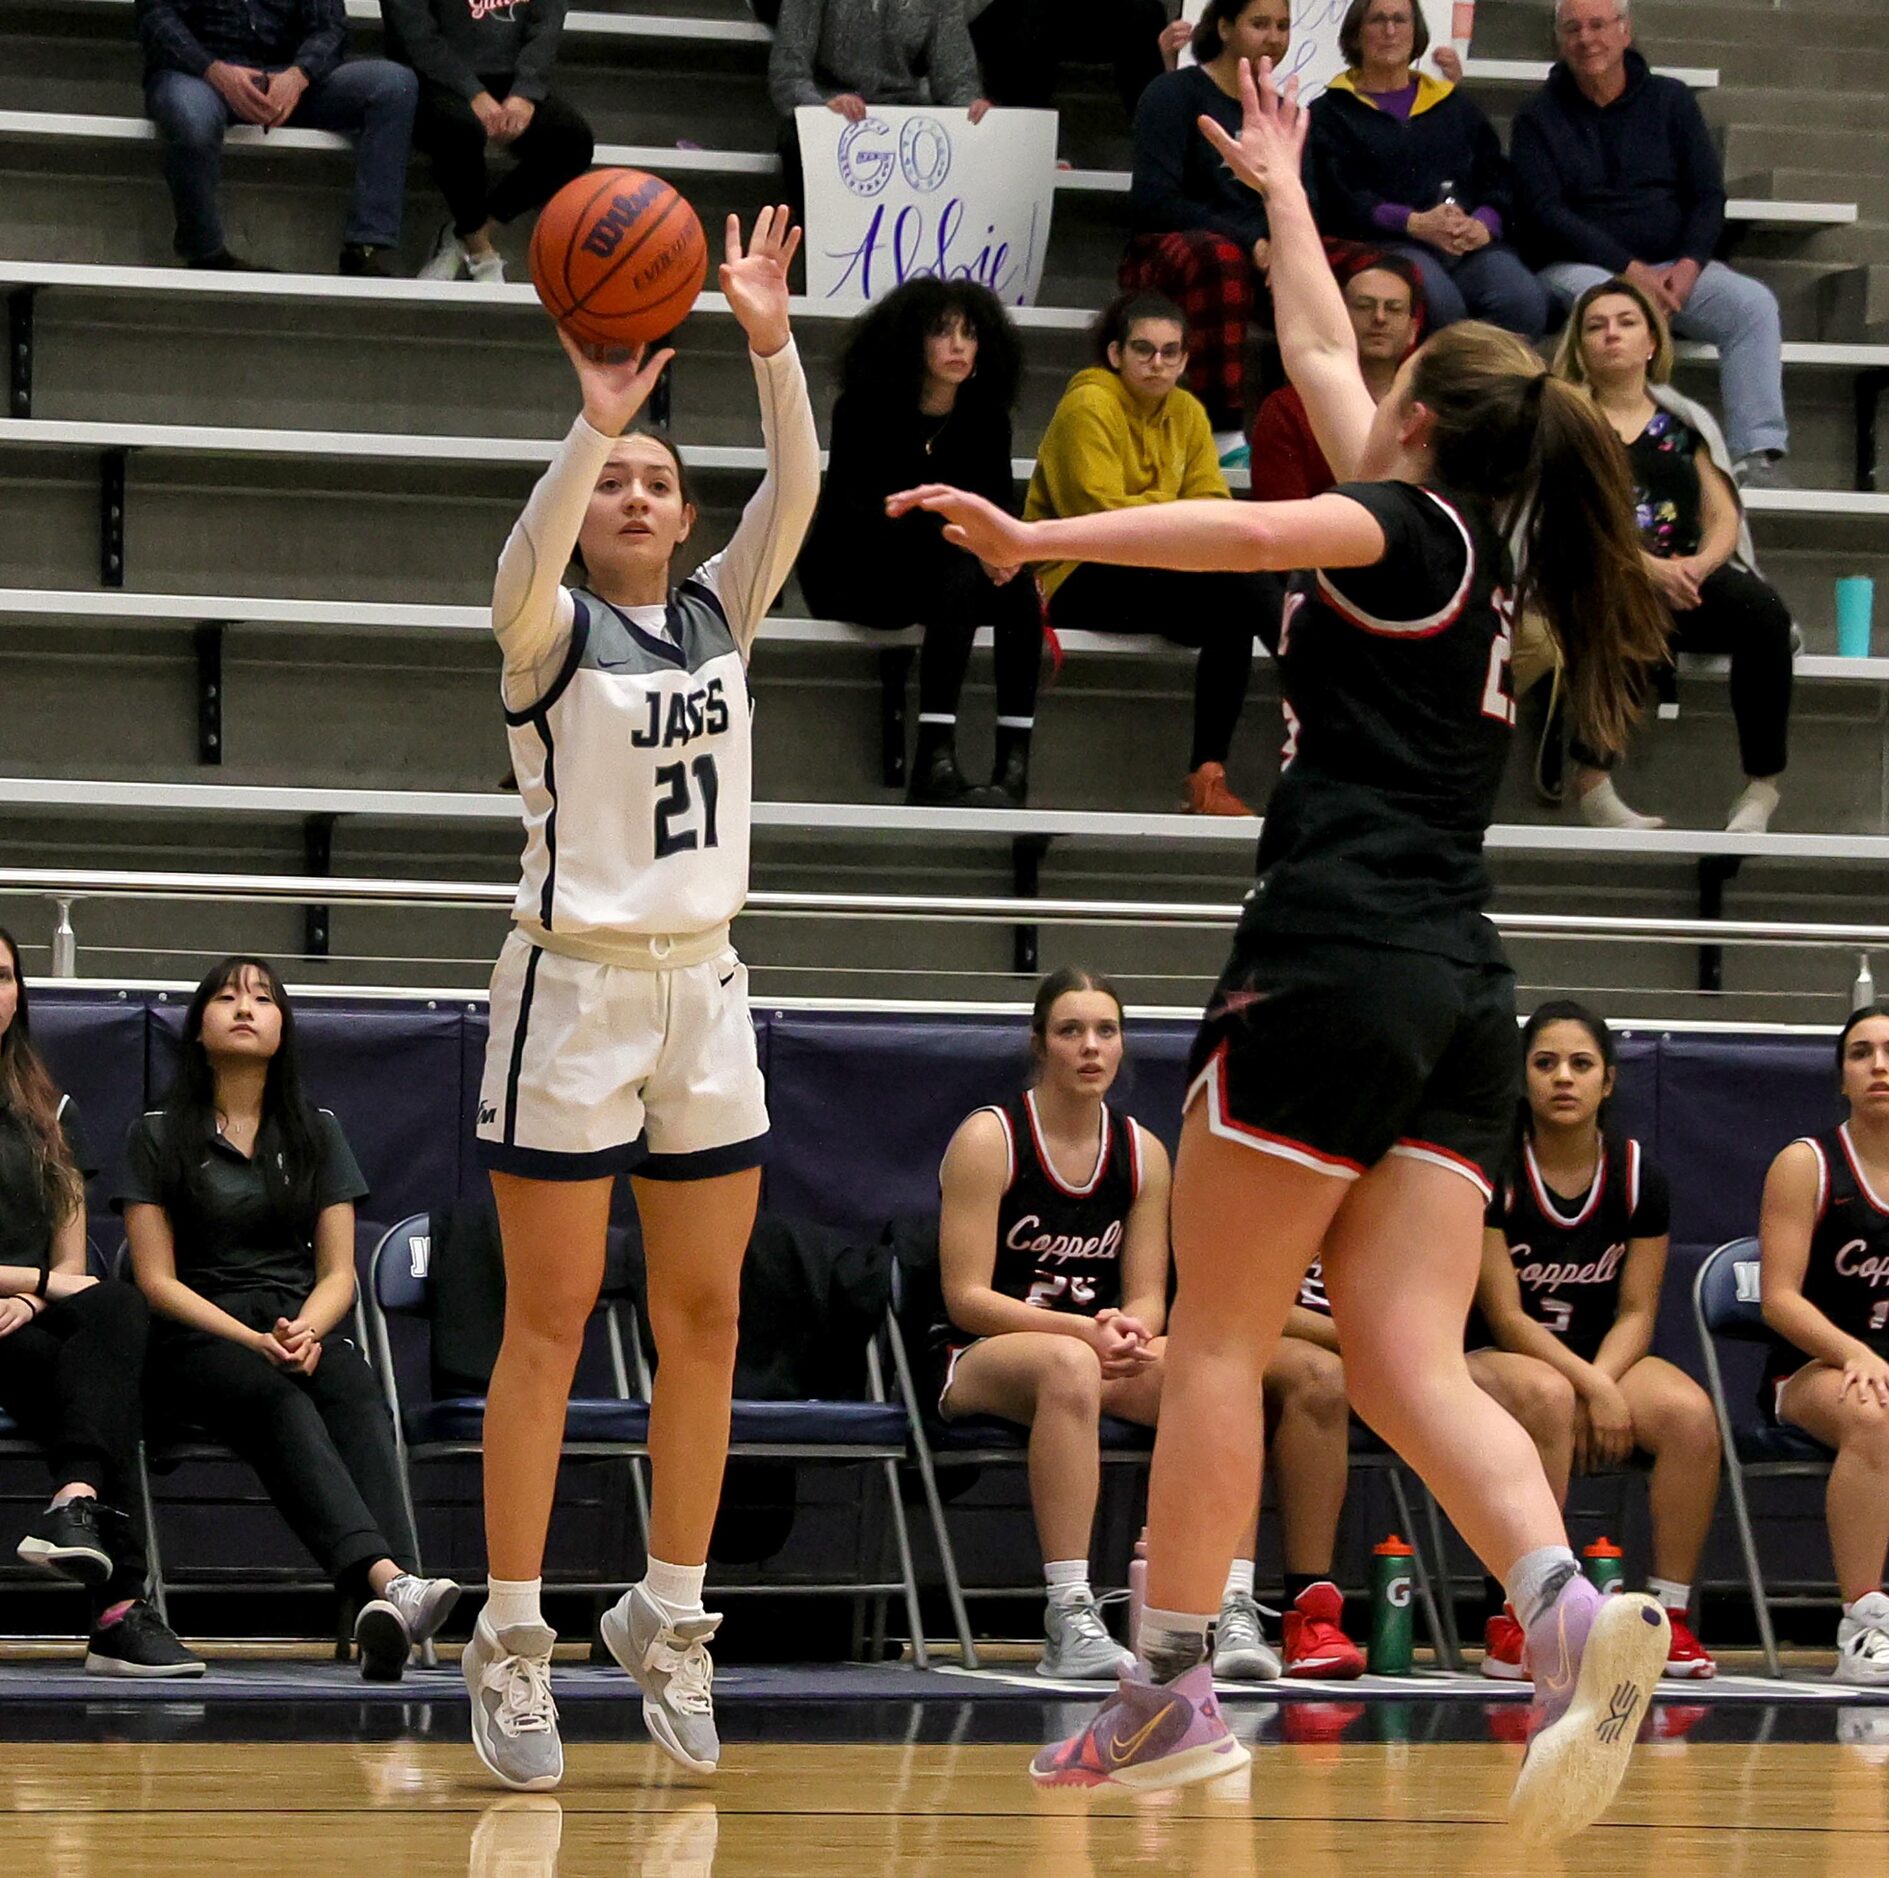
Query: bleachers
point(328, 467)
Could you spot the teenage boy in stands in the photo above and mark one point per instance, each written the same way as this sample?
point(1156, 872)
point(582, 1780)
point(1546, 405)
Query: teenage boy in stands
point(209, 64)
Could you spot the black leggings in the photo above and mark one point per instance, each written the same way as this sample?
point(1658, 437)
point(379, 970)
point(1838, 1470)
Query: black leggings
point(72, 1379)
point(322, 1445)
point(555, 146)
point(896, 579)
point(1218, 612)
point(1741, 615)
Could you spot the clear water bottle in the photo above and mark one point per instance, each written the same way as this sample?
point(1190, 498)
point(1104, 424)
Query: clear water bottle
point(1446, 195)
point(1863, 992)
point(1137, 1590)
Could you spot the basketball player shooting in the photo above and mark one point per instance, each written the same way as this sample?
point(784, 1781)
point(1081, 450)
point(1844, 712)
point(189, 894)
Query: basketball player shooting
point(620, 1040)
point(1352, 1087)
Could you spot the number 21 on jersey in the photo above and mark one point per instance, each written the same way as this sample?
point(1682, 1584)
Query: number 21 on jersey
point(1498, 694)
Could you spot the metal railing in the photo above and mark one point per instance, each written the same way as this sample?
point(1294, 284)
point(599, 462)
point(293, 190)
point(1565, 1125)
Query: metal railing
point(67, 887)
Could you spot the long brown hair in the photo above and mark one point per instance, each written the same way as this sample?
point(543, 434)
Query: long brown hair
point(29, 1092)
point(1059, 984)
point(1506, 430)
point(1571, 364)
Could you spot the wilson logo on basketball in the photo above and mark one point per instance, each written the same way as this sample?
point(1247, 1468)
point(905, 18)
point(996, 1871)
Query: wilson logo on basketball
point(616, 221)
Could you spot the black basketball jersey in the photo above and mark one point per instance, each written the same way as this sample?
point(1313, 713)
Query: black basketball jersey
point(1395, 680)
point(1569, 1254)
point(1847, 1274)
point(1058, 1246)
point(1312, 1290)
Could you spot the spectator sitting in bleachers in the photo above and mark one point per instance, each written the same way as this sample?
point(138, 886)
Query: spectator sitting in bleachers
point(1021, 45)
point(1616, 174)
point(1403, 157)
point(1387, 314)
point(1694, 538)
point(1126, 434)
point(1574, 1256)
point(1824, 1274)
point(1200, 233)
point(1053, 1251)
point(212, 63)
point(239, 1205)
point(71, 1356)
point(485, 75)
point(852, 54)
point(928, 379)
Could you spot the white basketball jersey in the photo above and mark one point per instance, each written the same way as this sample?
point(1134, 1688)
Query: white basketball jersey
point(636, 774)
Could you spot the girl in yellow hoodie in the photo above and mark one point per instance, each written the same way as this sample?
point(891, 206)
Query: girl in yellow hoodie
point(1127, 434)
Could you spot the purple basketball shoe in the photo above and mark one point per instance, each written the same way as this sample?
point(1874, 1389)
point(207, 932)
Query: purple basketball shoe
point(1147, 1735)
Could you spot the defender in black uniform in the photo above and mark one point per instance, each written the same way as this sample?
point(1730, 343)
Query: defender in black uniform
point(1053, 1252)
point(1573, 1262)
point(1355, 1073)
point(1825, 1275)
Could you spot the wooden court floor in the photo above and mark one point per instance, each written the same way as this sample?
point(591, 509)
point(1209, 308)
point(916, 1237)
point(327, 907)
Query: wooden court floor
point(400, 1809)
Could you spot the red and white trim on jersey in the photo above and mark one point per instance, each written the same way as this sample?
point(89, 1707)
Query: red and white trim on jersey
point(1439, 621)
point(1545, 1199)
point(1049, 1167)
point(1633, 1178)
point(1010, 1145)
point(1449, 1160)
point(1134, 1156)
point(1856, 1167)
point(1222, 1122)
point(1823, 1171)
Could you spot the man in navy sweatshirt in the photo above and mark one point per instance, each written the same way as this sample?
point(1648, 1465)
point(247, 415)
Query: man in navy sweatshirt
point(209, 64)
point(1616, 174)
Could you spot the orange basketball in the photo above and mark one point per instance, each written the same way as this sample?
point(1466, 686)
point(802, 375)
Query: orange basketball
point(618, 258)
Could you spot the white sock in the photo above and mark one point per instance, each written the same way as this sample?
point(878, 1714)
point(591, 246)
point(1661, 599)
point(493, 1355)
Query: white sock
point(1067, 1579)
point(510, 1601)
point(1537, 1578)
point(1670, 1594)
point(1239, 1580)
point(677, 1588)
point(1751, 813)
point(1173, 1642)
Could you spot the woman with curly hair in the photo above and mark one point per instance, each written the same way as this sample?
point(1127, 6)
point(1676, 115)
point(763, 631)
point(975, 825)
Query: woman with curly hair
point(928, 378)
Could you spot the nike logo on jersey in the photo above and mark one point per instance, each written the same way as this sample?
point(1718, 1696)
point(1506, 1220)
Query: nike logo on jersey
point(1120, 1748)
point(1232, 1003)
point(682, 716)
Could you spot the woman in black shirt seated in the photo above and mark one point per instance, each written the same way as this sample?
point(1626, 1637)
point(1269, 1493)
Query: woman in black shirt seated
point(239, 1204)
point(927, 382)
point(1694, 541)
point(71, 1356)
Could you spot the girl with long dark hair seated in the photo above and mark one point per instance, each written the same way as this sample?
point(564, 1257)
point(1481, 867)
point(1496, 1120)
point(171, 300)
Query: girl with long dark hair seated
point(71, 1356)
point(928, 379)
point(239, 1204)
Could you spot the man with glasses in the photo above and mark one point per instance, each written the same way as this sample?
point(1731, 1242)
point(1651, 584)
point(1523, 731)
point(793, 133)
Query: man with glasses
point(1616, 174)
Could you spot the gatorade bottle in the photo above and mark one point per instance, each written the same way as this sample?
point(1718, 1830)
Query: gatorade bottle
point(1601, 1560)
point(1137, 1589)
point(1391, 1638)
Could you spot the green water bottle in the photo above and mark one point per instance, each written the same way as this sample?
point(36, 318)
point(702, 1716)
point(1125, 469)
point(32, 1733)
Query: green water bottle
point(1601, 1561)
point(1391, 1635)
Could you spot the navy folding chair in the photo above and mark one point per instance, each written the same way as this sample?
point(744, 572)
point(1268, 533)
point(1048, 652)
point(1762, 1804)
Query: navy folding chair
point(1725, 1300)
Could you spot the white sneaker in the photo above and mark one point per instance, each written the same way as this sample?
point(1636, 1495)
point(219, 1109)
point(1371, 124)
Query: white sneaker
point(446, 259)
point(1863, 1642)
point(1077, 1646)
point(1240, 1650)
point(1601, 807)
point(1752, 812)
point(514, 1717)
point(487, 269)
point(668, 1657)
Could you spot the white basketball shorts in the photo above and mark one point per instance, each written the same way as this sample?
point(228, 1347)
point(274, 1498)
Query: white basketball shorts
point(595, 1069)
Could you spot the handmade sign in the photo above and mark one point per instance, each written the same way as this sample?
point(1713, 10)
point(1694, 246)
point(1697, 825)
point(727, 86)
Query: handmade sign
point(920, 189)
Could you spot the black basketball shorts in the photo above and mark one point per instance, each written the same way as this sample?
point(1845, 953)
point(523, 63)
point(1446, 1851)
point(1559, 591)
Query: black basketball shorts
point(1333, 1054)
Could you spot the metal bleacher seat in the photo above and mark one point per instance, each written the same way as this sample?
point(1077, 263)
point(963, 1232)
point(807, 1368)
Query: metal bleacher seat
point(1725, 1302)
point(871, 1432)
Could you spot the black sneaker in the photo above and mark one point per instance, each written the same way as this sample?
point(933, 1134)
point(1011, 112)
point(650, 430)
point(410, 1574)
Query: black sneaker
point(139, 1643)
point(367, 263)
point(383, 1640)
point(66, 1539)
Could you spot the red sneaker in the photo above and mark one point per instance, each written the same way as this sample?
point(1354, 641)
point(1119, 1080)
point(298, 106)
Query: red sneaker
point(1688, 1656)
point(1316, 1645)
point(1502, 1640)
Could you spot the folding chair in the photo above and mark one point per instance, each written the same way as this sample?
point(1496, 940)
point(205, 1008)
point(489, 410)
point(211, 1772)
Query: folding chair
point(1725, 1301)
